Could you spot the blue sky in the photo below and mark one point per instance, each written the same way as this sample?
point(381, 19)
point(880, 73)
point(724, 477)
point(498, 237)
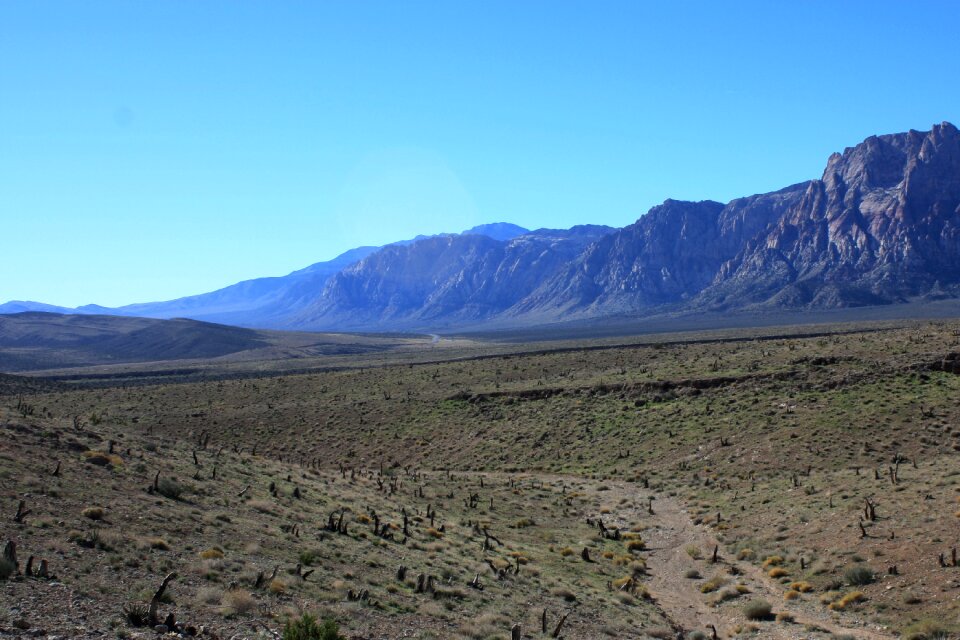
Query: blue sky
point(157, 149)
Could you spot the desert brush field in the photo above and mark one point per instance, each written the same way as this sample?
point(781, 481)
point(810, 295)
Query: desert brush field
point(776, 485)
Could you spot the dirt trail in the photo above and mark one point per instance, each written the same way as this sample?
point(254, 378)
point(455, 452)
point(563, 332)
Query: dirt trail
point(672, 530)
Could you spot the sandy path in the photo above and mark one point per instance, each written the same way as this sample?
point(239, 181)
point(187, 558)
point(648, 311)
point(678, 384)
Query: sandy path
point(672, 531)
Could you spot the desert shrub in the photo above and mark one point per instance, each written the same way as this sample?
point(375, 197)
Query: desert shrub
point(746, 554)
point(567, 551)
point(859, 575)
point(713, 584)
point(154, 543)
point(94, 513)
point(307, 628)
point(635, 545)
point(791, 595)
point(851, 598)
point(523, 523)
point(757, 610)
point(237, 601)
point(137, 614)
point(102, 459)
point(801, 586)
point(926, 630)
point(209, 595)
point(622, 561)
point(6, 569)
point(277, 586)
point(170, 488)
point(726, 594)
point(692, 574)
point(434, 533)
point(566, 594)
point(309, 557)
point(694, 552)
point(213, 553)
point(778, 572)
point(93, 540)
point(773, 561)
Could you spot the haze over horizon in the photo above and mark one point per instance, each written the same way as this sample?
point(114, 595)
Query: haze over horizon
point(158, 151)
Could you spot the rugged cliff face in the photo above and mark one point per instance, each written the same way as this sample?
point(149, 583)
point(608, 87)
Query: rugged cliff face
point(882, 225)
point(444, 280)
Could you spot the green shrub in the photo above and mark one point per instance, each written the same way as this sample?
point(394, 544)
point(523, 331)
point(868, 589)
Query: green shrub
point(926, 630)
point(309, 557)
point(170, 488)
point(307, 628)
point(859, 575)
point(757, 610)
point(6, 568)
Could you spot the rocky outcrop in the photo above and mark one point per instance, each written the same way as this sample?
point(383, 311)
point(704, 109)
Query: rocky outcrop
point(882, 225)
point(445, 280)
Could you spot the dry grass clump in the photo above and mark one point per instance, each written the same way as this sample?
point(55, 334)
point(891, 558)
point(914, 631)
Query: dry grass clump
point(213, 553)
point(791, 595)
point(153, 543)
point(434, 533)
point(566, 594)
point(567, 551)
point(263, 506)
point(209, 595)
point(102, 459)
point(238, 602)
point(773, 561)
point(94, 513)
point(485, 625)
point(848, 599)
point(713, 584)
point(730, 593)
point(635, 545)
point(801, 586)
point(778, 572)
point(746, 554)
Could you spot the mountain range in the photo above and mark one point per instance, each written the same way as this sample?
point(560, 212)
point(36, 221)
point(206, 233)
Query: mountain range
point(880, 226)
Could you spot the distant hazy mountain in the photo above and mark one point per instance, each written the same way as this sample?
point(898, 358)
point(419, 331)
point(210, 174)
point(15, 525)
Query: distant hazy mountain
point(444, 280)
point(262, 302)
point(35, 340)
point(882, 225)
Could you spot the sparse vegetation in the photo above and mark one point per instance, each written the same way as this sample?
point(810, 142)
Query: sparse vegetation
point(859, 576)
point(307, 628)
point(430, 505)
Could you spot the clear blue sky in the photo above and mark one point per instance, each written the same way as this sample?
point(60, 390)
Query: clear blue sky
point(150, 150)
